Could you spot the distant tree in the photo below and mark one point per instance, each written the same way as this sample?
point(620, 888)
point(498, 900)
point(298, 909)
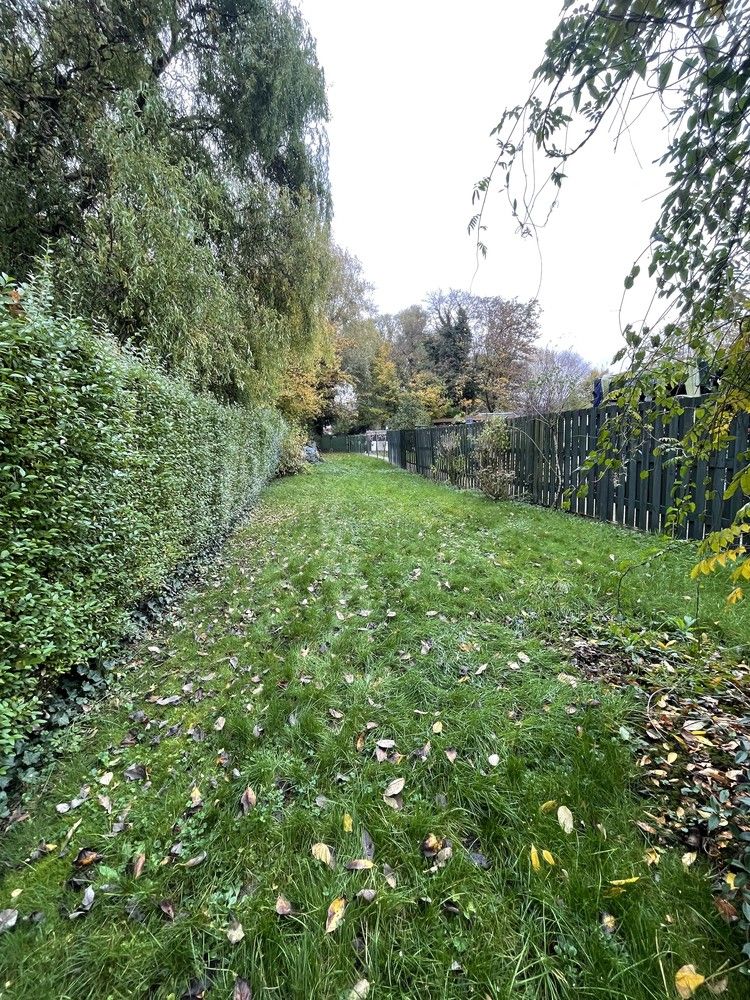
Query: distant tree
point(409, 413)
point(555, 381)
point(379, 395)
point(349, 292)
point(449, 349)
point(430, 394)
point(505, 331)
point(406, 332)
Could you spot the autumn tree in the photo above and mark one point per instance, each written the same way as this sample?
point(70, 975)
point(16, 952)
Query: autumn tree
point(555, 381)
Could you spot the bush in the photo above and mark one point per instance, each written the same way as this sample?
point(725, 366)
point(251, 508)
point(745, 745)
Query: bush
point(112, 475)
point(291, 454)
point(490, 449)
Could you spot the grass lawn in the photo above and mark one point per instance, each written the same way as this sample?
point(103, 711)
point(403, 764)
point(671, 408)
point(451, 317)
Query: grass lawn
point(362, 604)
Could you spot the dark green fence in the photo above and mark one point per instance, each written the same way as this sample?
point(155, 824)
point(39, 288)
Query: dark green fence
point(544, 461)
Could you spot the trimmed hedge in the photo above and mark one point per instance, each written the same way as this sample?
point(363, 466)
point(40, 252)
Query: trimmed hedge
point(111, 475)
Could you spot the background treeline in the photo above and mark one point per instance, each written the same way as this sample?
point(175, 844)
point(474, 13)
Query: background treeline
point(163, 173)
point(454, 354)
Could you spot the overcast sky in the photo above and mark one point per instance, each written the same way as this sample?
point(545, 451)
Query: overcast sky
point(415, 86)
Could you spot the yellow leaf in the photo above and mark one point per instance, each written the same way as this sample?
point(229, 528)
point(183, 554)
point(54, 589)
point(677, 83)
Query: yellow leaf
point(548, 857)
point(548, 806)
point(437, 727)
point(736, 596)
point(730, 879)
point(335, 914)
point(536, 864)
point(689, 858)
point(322, 852)
point(348, 823)
point(652, 856)
point(625, 881)
point(687, 980)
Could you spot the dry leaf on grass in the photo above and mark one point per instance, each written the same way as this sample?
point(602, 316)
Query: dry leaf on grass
point(335, 914)
point(687, 980)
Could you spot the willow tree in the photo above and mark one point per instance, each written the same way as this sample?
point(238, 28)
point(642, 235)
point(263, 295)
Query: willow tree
point(173, 156)
point(604, 63)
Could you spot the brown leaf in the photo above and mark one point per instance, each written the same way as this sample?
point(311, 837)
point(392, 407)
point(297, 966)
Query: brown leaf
point(431, 845)
point(726, 910)
point(390, 876)
point(283, 906)
point(87, 856)
point(167, 908)
point(135, 772)
point(359, 865)
point(138, 864)
point(335, 914)
point(248, 800)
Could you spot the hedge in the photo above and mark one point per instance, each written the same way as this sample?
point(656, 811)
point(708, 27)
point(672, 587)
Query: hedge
point(112, 474)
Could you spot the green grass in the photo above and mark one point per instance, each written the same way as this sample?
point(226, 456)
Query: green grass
point(319, 605)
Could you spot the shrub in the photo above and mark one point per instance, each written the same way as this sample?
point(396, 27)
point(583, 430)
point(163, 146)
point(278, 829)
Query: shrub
point(291, 455)
point(112, 474)
point(451, 458)
point(490, 449)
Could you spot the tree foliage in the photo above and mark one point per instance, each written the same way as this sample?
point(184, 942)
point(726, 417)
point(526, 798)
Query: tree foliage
point(605, 61)
point(174, 155)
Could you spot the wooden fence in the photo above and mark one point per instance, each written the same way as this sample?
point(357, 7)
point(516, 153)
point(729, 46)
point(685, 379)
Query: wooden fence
point(543, 463)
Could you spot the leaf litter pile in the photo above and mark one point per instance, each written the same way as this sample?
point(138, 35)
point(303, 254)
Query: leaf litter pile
point(371, 759)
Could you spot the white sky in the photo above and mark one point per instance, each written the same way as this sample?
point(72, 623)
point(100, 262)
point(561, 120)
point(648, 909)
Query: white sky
point(415, 86)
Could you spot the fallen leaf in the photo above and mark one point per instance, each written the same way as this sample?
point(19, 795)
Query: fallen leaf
point(86, 856)
point(348, 823)
point(493, 760)
point(194, 862)
point(607, 923)
point(390, 876)
point(548, 806)
point(548, 857)
point(322, 852)
point(106, 778)
point(220, 723)
point(359, 865)
point(394, 788)
point(167, 908)
point(359, 990)
point(248, 800)
point(437, 727)
point(242, 990)
point(135, 772)
point(235, 933)
point(8, 919)
point(335, 914)
point(625, 881)
point(687, 980)
point(565, 819)
point(726, 910)
point(368, 844)
point(367, 895)
point(451, 754)
point(717, 986)
point(138, 864)
point(283, 906)
point(689, 858)
point(536, 864)
point(86, 903)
